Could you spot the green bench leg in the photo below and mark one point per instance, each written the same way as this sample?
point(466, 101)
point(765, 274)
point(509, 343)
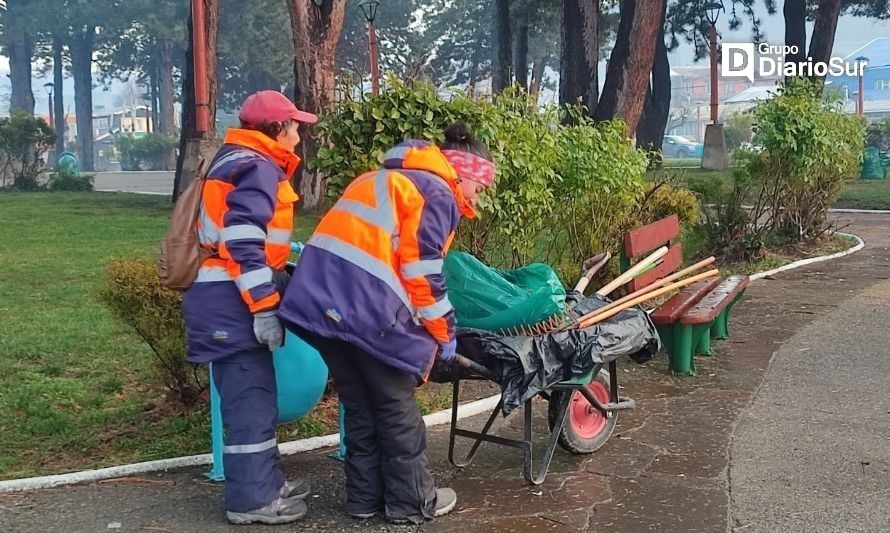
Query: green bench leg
point(720, 330)
point(701, 334)
point(680, 350)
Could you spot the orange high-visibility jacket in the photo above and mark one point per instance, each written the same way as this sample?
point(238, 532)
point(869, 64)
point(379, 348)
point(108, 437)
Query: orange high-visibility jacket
point(372, 272)
point(246, 218)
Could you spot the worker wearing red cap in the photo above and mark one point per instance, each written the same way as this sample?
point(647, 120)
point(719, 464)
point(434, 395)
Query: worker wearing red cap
point(245, 222)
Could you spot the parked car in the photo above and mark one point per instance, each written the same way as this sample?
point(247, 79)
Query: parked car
point(679, 146)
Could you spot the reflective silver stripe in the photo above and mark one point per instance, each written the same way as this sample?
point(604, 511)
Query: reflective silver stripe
point(381, 216)
point(369, 264)
point(208, 232)
point(215, 273)
point(436, 310)
point(399, 152)
point(241, 231)
point(278, 236)
point(231, 156)
point(254, 278)
point(251, 448)
point(422, 268)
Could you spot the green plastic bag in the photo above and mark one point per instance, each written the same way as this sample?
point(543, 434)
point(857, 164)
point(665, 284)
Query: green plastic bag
point(871, 165)
point(491, 299)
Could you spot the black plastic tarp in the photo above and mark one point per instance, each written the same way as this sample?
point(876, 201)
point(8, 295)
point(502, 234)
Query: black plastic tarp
point(528, 365)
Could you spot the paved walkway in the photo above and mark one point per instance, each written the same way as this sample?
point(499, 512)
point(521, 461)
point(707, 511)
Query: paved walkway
point(786, 429)
point(148, 182)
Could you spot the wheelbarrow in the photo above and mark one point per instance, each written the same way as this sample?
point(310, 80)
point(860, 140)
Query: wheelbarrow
point(301, 376)
point(582, 411)
point(581, 415)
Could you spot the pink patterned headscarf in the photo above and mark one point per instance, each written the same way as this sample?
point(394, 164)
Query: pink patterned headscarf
point(471, 167)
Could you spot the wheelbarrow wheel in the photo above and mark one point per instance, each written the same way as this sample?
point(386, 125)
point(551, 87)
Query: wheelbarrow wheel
point(586, 429)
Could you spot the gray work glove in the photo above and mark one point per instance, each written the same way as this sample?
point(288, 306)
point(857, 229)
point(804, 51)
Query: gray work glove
point(267, 329)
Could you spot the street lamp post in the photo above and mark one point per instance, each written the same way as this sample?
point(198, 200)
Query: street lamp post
point(714, 154)
point(860, 103)
point(712, 12)
point(49, 94)
point(369, 9)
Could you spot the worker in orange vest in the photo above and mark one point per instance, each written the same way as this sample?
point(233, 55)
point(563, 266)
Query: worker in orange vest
point(369, 294)
point(245, 221)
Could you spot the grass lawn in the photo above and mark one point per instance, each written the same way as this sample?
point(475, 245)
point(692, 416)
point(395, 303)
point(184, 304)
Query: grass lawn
point(77, 388)
point(866, 194)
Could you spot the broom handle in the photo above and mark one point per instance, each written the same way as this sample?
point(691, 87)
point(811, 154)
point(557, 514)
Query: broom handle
point(599, 317)
point(633, 271)
point(658, 283)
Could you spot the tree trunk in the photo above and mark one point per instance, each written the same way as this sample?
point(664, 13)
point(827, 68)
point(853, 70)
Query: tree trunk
point(153, 96)
point(189, 132)
point(822, 40)
point(520, 42)
point(19, 48)
point(578, 80)
point(537, 77)
point(500, 78)
point(795, 13)
point(657, 107)
point(316, 30)
point(166, 119)
point(59, 94)
point(629, 66)
point(81, 47)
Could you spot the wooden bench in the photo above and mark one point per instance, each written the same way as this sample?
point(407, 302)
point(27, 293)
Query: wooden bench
point(690, 319)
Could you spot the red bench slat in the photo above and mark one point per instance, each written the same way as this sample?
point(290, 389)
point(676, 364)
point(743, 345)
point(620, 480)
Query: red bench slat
point(650, 237)
point(671, 310)
point(713, 304)
point(669, 264)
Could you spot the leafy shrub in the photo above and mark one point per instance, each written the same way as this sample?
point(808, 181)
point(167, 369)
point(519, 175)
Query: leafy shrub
point(23, 142)
point(739, 129)
point(562, 193)
point(64, 179)
point(810, 150)
point(601, 182)
point(136, 296)
point(146, 152)
point(666, 197)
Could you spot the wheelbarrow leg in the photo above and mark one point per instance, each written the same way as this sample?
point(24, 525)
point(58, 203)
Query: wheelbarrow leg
point(477, 437)
point(551, 445)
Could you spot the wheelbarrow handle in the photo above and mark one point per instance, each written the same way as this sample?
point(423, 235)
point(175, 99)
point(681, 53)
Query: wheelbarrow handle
point(475, 367)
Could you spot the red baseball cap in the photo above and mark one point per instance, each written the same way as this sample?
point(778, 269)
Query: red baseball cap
point(272, 106)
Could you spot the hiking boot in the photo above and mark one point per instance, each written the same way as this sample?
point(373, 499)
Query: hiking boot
point(446, 500)
point(280, 511)
point(295, 490)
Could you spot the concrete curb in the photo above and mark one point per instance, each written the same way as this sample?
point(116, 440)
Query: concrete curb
point(860, 244)
point(313, 443)
point(150, 193)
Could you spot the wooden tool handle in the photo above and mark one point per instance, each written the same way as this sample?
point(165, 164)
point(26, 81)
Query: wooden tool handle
point(659, 283)
point(602, 315)
point(581, 286)
point(633, 271)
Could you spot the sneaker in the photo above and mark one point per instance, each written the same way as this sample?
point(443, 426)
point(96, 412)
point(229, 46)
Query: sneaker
point(280, 511)
point(446, 500)
point(295, 490)
point(365, 516)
